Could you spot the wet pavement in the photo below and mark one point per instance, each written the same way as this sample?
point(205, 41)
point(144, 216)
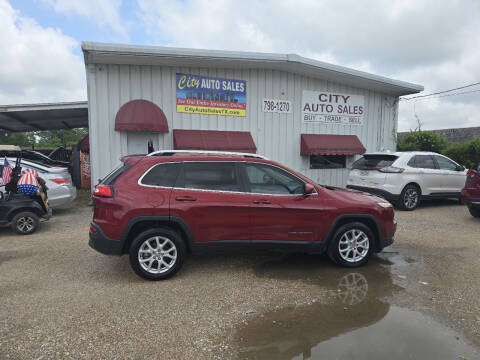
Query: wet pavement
point(362, 321)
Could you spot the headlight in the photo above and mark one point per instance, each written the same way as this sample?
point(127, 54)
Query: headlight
point(384, 204)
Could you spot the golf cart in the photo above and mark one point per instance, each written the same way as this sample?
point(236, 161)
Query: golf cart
point(23, 199)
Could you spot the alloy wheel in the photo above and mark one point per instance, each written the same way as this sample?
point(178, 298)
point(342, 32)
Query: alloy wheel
point(157, 255)
point(25, 224)
point(353, 245)
point(410, 199)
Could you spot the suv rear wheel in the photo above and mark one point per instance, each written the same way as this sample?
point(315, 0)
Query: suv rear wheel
point(409, 198)
point(351, 245)
point(157, 254)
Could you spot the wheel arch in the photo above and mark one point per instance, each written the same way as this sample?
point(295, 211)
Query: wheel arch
point(368, 220)
point(31, 209)
point(415, 183)
point(142, 223)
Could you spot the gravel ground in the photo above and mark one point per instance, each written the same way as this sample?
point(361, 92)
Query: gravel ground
point(61, 299)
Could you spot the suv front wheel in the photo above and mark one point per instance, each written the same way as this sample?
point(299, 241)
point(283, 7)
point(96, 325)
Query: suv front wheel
point(157, 254)
point(351, 245)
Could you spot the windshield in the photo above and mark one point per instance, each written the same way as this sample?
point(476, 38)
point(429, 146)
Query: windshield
point(372, 162)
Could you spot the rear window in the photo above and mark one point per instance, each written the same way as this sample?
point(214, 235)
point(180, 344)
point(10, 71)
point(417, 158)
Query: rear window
point(110, 178)
point(372, 162)
point(162, 175)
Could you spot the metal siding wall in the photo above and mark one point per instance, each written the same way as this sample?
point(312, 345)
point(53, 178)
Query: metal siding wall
point(277, 136)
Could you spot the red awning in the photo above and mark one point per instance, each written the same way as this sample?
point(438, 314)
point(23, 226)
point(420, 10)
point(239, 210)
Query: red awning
point(241, 141)
point(141, 115)
point(323, 144)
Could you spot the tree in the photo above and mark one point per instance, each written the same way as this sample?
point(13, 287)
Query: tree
point(47, 138)
point(20, 139)
point(419, 140)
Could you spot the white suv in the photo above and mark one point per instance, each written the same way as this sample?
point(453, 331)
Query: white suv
point(405, 178)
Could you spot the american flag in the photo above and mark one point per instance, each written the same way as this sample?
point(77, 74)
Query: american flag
point(7, 172)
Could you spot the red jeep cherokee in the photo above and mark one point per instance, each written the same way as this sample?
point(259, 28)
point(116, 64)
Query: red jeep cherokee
point(471, 191)
point(159, 207)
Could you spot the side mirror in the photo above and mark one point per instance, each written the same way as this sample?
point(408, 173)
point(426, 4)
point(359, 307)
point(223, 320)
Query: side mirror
point(460, 168)
point(309, 188)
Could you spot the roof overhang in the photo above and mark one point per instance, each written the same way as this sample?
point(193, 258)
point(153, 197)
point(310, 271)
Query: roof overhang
point(100, 53)
point(51, 116)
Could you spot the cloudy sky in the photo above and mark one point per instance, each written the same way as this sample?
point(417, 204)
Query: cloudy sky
point(432, 43)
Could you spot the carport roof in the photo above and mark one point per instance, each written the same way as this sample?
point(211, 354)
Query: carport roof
point(51, 116)
point(101, 53)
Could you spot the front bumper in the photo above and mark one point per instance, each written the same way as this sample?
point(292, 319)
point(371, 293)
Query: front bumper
point(387, 241)
point(379, 192)
point(100, 242)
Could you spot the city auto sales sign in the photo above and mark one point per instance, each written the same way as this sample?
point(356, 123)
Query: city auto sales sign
point(332, 108)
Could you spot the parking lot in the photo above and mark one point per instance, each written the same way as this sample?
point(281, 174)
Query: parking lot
point(61, 299)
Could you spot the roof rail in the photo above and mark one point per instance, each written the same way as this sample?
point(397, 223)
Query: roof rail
point(207, 152)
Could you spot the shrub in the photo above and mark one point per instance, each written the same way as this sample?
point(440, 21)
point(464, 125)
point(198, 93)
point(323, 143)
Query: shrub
point(419, 140)
point(467, 153)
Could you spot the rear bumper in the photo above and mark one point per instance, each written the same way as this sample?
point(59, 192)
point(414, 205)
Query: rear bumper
point(379, 192)
point(100, 242)
point(62, 195)
point(475, 202)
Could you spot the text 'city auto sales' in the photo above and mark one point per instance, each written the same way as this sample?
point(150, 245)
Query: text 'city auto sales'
point(327, 103)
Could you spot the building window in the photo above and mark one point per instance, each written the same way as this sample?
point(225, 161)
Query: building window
point(328, 161)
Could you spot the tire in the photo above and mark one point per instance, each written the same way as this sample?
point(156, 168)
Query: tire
point(474, 211)
point(165, 261)
point(25, 223)
point(409, 198)
point(346, 238)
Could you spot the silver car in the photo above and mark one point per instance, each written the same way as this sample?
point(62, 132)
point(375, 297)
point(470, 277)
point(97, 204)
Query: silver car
point(61, 191)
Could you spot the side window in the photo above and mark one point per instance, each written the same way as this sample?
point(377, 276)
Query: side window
point(266, 179)
point(220, 176)
point(445, 164)
point(162, 175)
point(422, 162)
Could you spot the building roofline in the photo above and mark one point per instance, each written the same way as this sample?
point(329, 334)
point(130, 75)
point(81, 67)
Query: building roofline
point(44, 106)
point(103, 53)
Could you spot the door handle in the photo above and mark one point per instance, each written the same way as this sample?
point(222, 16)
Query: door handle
point(261, 201)
point(185, 198)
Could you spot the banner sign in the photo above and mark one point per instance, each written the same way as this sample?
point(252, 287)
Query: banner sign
point(211, 96)
point(332, 108)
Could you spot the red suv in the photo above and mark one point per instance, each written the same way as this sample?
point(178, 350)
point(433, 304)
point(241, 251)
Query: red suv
point(471, 191)
point(158, 208)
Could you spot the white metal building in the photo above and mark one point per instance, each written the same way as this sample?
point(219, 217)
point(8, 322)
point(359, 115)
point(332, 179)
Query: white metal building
point(283, 106)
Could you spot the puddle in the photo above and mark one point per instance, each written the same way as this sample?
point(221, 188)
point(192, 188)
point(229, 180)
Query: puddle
point(360, 323)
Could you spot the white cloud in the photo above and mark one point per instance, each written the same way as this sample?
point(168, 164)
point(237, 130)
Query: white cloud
point(105, 13)
point(435, 44)
point(37, 64)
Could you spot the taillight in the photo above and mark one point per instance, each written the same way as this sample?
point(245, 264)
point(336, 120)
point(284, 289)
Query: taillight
point(60, 181)
point(391, 169)
point(471, 172)
point(103, 191)
point(93, 229)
